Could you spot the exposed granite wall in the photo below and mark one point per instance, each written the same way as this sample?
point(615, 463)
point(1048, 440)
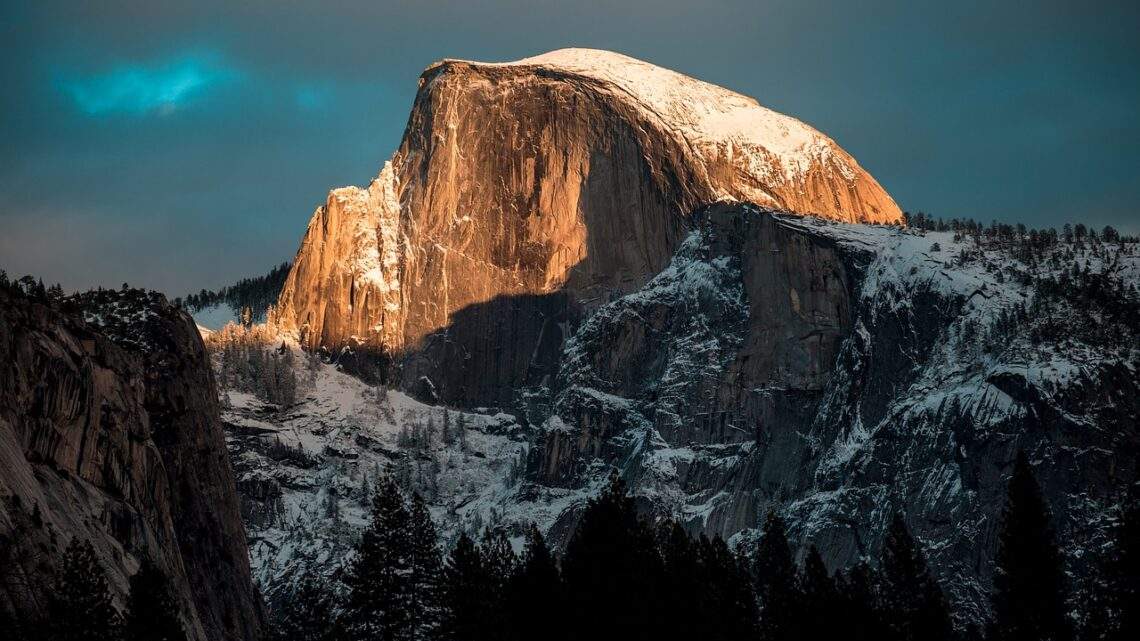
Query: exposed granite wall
point(119, 443)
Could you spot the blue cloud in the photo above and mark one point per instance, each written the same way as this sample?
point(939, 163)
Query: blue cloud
point(144, 88)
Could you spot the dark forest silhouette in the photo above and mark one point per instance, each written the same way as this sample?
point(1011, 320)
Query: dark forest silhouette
point(622, 577)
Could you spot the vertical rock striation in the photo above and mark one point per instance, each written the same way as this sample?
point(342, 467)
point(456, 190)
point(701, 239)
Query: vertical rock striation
point(526, 193)
point(110, 432)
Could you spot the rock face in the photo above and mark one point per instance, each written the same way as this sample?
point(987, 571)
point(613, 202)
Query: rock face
point(561, 240)
point(832, 372)
point(839, 374)
point(110, 432)
point(558, 182)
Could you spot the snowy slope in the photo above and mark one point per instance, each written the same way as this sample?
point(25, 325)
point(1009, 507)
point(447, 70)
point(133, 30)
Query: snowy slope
point(305, 471)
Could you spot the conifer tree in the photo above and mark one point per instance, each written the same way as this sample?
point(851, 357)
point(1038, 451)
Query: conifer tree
point(377, 578)
point(534, 595)
point(682, 571)
point(152, 611)
point(80, 608)
point(1029, 581)
point(446, 433)
point(730, 601)
point(820, 595)
point(1123, 574)
point(777, 590)
point(500, 564)
point(913, 603)
point(612, 571)
point(465, 588)
point(307, 615)
point(425, 576)
point(858, 604)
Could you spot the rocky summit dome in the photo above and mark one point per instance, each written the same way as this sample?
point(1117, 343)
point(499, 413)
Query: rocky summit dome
point(571, 177)
point(780, 161)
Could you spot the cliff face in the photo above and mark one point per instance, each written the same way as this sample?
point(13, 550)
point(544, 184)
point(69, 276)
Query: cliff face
point(110, 432)
point(559, 249)
point(557, 182)
point(834, 373)
point(839, 374)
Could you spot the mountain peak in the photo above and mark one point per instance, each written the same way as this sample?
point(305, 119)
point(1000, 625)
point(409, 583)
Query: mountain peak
point(779, 149)
point(570, 177)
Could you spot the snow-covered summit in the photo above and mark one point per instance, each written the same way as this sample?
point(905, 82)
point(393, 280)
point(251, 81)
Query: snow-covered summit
point(704, 113)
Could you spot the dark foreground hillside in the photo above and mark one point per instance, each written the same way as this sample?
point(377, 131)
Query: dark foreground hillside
point(109, 436)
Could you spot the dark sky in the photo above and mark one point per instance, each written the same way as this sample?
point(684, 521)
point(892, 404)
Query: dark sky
point(185, 145)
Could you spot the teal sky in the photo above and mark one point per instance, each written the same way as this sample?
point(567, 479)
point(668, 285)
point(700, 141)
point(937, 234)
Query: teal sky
point(185, 145)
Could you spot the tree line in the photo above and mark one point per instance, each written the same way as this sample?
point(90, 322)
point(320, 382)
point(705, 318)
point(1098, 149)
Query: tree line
point(621, 577)
point(256, 293)
point(1007, 232)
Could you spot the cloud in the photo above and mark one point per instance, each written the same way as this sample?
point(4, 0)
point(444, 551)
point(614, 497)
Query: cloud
point(156, 87)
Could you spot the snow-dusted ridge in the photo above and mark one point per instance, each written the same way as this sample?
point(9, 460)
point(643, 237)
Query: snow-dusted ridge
point(706, 115)
point(933, 385)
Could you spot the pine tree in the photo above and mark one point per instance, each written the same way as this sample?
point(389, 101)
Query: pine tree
point(425, 589)
point(1029, 581)
point(613, 572)
point(152, 611)
point(461, 431)
point(730, 603)
point(820, 594)
point(80, 608)
point(377, 578)
point(913, 602)
point(682, 571)
point(858, 604)
point(446, 433)
point(465, 590)
point(306, 615)
point(774, 574)
point(534, 595)
point(499, 564)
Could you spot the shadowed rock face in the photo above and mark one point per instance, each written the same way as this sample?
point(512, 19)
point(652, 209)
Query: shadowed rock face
point(112, 435)
point(570, 173)
point(822, 371)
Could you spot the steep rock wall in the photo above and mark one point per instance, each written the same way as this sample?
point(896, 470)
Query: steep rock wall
point(111, 435)
point(837, 374)
point(570, 174)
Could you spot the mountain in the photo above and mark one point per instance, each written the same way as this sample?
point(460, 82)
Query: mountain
point(526, 194)
point(562, 265)
point(110, 433)
point(835, 373)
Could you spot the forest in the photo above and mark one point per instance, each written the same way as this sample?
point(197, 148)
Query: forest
point(622, 576)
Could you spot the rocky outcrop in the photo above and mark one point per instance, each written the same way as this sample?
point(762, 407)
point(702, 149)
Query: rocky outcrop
point(735, 338)
point(110, 433)
point(525, 194)
point(839, 374)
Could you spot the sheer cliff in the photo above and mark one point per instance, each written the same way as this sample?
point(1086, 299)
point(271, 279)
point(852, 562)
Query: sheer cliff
point(558, 181)
point(835, 373)
point(110, 433)
point(602, 265)
point(842, 373)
